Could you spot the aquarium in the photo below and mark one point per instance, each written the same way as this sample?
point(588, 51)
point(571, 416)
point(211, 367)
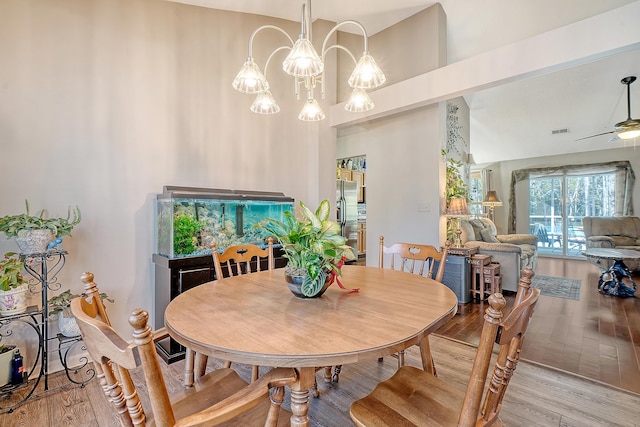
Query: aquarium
point(190, 220)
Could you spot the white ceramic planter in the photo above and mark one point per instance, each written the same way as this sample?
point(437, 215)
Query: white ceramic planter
point(13, 301)
point(68, 325)
point(35, 241)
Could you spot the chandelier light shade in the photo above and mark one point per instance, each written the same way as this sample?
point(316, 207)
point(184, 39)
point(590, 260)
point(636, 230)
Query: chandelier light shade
point(303, 60)
point(359, 101)
point(311, 111)
point(265, 104)
point(307, 67)
point(250, 79)
point(367, 74)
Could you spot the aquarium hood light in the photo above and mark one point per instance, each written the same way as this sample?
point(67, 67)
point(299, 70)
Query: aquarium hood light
point(307, 68)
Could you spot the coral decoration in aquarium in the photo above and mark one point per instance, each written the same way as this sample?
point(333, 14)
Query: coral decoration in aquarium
point(190, 219)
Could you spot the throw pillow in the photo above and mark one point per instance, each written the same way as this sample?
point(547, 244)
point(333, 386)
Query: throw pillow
point(487, 236)
point(478, 226)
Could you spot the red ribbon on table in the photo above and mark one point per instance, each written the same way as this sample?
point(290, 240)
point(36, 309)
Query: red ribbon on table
point(335, 277)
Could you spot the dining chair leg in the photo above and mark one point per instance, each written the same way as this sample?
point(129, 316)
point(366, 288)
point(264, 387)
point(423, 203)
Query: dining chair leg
point(188, 368)
point(336, 373)
point(427, 359)
point(255, 373)
point(400, 359)
point(200, 364)
point(327, 374)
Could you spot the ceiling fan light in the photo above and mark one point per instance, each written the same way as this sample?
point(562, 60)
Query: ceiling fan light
point(629, 134)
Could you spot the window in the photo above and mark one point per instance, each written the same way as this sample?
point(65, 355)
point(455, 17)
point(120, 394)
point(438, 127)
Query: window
point(557, 205)
point(476, 193)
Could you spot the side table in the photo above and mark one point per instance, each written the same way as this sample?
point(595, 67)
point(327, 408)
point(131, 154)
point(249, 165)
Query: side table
point(478, 262)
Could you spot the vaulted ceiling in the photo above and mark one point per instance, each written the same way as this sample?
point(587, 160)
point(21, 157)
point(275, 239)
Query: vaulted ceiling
point(515, 120)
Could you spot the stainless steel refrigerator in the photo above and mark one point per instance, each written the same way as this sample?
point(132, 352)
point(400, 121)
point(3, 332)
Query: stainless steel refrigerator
point(347, 208)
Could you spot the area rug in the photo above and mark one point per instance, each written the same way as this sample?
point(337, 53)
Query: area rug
point(558, 287)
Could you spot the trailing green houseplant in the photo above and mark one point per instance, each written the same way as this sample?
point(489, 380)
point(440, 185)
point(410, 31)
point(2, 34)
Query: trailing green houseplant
point(61, 303)
point(11, 272)
point(19, 225)
point(312, 245)
point(13, 286)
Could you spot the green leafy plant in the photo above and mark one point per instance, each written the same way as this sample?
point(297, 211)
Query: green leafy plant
point(11, 272)
point(18, 225)
point(185, 234)
point(62, 302)
point(312, 244)
point(455, 186)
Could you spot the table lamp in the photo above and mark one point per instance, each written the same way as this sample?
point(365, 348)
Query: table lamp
point(457, 209)
point(491, 200)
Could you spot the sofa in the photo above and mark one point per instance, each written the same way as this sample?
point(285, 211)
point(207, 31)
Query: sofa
point(513, 251)
point(613, 232)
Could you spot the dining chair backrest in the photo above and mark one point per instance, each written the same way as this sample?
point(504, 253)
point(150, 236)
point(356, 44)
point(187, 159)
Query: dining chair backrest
point(509, 334)
point(414, 258)
point(242, 259)
point(416, 397)
point(113, 358)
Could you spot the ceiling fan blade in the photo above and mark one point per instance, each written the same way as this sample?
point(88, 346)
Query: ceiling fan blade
point(593, 136)
point(614, 138)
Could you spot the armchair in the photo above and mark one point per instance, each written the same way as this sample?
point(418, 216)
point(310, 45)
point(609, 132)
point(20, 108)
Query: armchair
point(613, 232)
point(514, 252)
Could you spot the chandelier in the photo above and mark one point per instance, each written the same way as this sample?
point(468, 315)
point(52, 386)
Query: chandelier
point(307, 68)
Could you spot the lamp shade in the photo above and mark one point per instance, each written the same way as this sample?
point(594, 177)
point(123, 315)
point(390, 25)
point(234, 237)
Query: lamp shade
point(491, 199)
point(458, 208)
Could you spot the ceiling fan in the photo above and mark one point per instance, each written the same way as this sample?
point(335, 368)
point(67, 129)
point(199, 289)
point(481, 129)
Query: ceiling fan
point(629, 128)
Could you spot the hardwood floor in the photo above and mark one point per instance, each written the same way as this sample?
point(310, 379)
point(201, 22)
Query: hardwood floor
point(536, 397)
point(597, 337)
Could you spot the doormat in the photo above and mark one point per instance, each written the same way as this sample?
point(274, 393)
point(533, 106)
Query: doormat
point(558, 287)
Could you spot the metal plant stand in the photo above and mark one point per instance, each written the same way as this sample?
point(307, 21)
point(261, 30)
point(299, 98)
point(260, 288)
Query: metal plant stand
point(43, 269)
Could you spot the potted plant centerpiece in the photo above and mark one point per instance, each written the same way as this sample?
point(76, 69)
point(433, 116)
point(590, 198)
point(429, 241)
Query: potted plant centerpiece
point(34, 233)
point(13, 287)
point(60, 306)
point(313, 246)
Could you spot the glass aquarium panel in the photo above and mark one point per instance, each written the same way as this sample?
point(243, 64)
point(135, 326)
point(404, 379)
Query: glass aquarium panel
point(190, 220)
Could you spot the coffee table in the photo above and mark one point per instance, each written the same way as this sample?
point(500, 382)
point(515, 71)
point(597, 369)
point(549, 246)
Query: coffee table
point(605, 257)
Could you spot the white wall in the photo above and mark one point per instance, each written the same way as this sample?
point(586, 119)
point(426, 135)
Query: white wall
point(402, 179)
point(104, 102)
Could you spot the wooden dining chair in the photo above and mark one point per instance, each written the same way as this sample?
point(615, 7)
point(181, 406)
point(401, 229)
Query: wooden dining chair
point(412, 397)
point(242, 259)
point(237, 260)
point(415, 258)
point(218, 397)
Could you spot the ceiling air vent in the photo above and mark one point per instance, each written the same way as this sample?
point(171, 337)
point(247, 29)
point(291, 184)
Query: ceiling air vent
point(557, 131)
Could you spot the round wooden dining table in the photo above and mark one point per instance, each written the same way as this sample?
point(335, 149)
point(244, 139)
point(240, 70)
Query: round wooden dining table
point(255, 319)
